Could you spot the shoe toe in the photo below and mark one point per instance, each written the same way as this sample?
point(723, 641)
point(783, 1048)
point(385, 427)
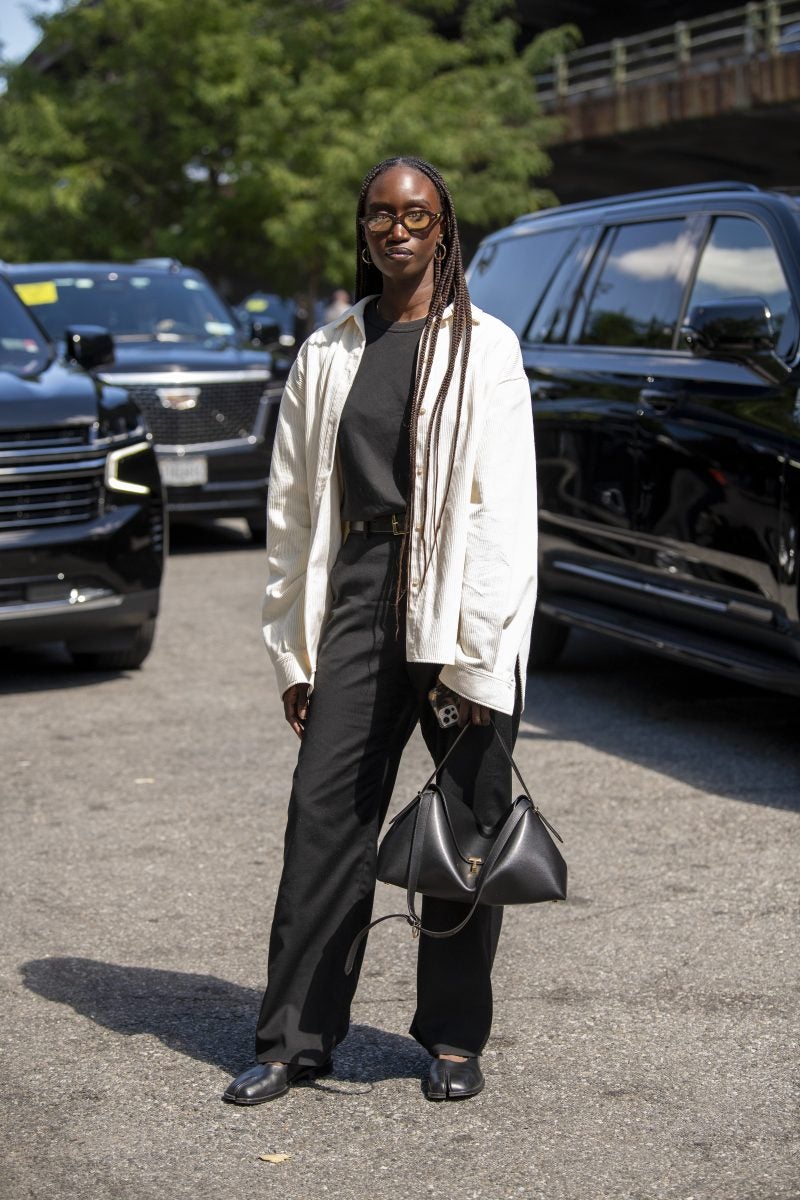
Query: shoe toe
point(466, 1080)
point(264, 1081)
point(437, 1080)
point(454, 1080)
point(268, 1081)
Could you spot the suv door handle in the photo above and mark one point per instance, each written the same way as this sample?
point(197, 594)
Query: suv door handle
point(658, 401)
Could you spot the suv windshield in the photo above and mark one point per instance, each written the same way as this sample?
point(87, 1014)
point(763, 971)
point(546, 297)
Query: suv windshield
point(23, 348)
point(135, 306)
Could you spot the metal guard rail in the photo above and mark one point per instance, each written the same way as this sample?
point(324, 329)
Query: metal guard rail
point(769, 27)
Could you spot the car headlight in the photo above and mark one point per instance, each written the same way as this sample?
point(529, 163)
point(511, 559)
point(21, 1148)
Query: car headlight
point(122, 470)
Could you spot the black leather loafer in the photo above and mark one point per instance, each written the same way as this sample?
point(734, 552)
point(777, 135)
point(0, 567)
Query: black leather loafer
point(268, 1081)
point(454, 1080)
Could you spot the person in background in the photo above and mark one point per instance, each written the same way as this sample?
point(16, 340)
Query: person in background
point(340, 302)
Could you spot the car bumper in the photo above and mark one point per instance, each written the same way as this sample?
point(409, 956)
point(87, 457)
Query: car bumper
point(78, 581)
point(236, 483)
point(98, 623)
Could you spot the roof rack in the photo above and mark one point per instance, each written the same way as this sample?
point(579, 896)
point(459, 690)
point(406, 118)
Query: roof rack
point(724, 185)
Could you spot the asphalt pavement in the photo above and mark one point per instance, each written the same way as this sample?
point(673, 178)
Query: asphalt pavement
point(645, 1043)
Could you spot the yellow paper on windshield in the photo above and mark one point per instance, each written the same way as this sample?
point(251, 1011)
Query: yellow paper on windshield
point(44, 292)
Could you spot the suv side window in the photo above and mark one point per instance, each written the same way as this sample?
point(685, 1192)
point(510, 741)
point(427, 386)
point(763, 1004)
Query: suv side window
point(738, 260)
point(637, 294)
point(509, 278)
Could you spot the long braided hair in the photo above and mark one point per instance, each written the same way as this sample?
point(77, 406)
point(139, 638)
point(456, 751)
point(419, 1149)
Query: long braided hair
point(449, 286)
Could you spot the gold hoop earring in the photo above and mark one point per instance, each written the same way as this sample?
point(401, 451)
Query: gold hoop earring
point(365, 257)
point(440, 257)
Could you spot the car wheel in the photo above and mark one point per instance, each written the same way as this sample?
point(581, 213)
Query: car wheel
point(258, 528)
point(128, 657)
point(547, 641)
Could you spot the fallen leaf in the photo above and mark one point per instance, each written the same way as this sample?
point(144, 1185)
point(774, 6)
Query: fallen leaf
point(274, 1158)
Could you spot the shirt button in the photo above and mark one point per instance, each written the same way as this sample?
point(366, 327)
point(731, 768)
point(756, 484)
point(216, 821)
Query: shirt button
point(414, 585)
point(417, 529)
point(422, 412)
point(419, 470)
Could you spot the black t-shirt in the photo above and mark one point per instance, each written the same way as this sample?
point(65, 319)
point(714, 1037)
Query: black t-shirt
point(373, 439)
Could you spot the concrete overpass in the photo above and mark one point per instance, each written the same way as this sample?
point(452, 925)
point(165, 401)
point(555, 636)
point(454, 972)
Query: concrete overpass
point(709, 98)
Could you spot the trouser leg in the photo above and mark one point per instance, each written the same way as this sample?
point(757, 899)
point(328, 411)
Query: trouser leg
point(361, 714)
point(454, 985)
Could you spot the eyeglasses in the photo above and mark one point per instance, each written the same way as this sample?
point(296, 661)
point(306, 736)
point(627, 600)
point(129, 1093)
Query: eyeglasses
point(416, 220)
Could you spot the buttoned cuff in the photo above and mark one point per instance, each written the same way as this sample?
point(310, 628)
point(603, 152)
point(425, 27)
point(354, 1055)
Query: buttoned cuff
point(288, 671)
point(480, 687)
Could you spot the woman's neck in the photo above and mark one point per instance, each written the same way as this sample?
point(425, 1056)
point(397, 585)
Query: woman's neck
point(409, 303)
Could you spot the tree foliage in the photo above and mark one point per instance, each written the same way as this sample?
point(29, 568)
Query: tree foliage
point(234, 133)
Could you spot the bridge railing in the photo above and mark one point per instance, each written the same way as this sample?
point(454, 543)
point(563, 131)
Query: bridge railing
point(705, 43)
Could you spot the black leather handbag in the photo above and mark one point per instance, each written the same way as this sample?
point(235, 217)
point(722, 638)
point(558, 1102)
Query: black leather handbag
point(434, 846)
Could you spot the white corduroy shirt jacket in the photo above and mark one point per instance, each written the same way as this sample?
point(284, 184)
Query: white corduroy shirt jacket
point(472, 610)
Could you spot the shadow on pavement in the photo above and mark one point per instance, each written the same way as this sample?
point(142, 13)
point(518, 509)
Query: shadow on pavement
point(210, 537)
point(46, 668)
point(204, 1017)
point(714, 733)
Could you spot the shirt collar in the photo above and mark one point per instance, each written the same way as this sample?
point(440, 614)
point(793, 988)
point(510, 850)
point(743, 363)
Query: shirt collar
point(356, 313)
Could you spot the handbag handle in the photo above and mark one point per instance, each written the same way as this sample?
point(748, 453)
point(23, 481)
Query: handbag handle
point(440, 765)
point(525, 787)
point(514, 768)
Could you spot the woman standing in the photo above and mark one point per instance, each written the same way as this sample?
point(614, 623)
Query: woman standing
point(402, 551)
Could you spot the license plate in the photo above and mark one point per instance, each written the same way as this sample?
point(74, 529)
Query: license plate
point(184, 472)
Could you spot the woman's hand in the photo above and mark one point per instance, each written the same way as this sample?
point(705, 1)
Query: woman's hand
point(470, 713)
point(295, 706)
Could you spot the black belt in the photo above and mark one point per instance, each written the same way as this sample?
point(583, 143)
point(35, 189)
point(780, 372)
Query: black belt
point(392, 524)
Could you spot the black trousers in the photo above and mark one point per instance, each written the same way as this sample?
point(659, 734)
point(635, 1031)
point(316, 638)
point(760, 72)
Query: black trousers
point(365, 705)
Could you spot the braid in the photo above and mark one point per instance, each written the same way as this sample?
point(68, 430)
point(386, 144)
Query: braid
point(449, 287)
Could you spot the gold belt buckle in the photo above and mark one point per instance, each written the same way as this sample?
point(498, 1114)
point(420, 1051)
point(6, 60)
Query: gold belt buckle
point(474, 865)
point(396, 530)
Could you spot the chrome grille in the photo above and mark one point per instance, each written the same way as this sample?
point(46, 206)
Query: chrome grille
point(222, 411)
point(29, 501)
point(59, 438)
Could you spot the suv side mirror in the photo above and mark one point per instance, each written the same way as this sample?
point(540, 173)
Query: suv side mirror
point(740, 330)
point(264, 333)
point(89, 346)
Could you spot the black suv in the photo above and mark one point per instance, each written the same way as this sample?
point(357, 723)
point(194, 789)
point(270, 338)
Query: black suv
point(81, 513)
point(660, 334)
point(206, 389)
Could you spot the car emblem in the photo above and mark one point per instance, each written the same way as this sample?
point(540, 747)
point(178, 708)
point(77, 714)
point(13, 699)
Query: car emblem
point(180, 399)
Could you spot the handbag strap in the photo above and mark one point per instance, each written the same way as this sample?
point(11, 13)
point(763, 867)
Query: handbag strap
point(362, 933)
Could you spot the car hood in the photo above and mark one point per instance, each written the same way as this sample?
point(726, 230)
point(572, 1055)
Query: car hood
point(58, 395)
point(158, 358)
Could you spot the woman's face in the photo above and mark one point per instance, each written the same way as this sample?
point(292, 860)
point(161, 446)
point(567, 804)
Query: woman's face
point(398, 254)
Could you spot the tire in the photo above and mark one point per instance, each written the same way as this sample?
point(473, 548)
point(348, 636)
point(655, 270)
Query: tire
point(128, 657)
point(548, 640)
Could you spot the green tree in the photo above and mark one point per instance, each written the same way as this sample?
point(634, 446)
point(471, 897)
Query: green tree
point(235, 133)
